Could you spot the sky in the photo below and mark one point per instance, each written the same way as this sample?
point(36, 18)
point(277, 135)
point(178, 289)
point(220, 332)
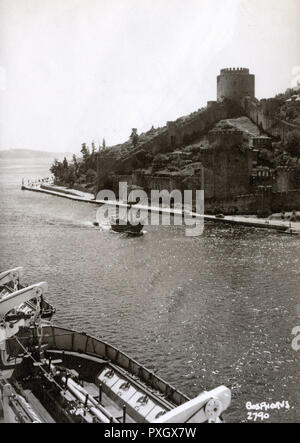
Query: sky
point(74, 71)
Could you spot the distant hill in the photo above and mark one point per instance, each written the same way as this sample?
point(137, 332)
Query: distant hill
point(32, 154)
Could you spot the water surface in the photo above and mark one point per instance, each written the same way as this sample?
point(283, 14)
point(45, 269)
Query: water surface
point(217, 309)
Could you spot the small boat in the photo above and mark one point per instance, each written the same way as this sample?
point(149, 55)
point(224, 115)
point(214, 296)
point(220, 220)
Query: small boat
point(52, 374)
point(124, 226)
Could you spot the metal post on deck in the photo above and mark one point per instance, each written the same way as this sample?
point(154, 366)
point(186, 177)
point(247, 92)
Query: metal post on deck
point(100, 393)
point(124, 414)
point(85, 404)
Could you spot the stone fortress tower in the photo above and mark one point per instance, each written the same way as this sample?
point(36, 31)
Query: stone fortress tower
point(235, 84)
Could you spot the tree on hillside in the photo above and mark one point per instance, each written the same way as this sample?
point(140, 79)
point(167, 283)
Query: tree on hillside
point(76, 165)
point(91, 175)
point(69, 176)
point(91, 162)
point(85, 151)
point(65, 163)
point(293, 143)
point(134, 137)
point(56, 168)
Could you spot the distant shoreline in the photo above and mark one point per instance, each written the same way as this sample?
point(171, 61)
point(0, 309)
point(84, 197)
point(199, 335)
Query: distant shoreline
point(21, 154)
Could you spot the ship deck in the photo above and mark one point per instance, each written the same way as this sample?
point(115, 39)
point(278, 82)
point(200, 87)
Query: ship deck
point(72, 377)
point(112, 407)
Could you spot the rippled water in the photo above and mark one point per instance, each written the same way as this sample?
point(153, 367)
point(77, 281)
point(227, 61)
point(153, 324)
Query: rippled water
point(218, 309)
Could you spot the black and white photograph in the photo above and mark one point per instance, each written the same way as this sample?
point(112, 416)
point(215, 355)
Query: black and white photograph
point(150, 214)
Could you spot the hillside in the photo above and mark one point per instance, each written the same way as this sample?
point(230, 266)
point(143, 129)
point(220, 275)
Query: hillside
point(177, 150)
point(289, 106)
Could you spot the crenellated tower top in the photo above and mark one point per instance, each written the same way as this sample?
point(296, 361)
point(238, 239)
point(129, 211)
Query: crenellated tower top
point(235, 71)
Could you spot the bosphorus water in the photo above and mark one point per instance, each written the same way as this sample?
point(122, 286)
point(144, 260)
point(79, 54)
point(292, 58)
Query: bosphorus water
point(216, 309)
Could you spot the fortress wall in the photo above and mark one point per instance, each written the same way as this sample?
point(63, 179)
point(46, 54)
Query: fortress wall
point(239, 203)
point(287, 178)
point(250, 204)
point(239, 171)
point(232, 170)
point(226, 138)
point(150, 182)
point(159, 144)
point(160, 183)
point(247, 204)
point(231, 173)
point(220, 170)
point(286, 201)
point(181, 133)
point(184, 132)
point(262, 114)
